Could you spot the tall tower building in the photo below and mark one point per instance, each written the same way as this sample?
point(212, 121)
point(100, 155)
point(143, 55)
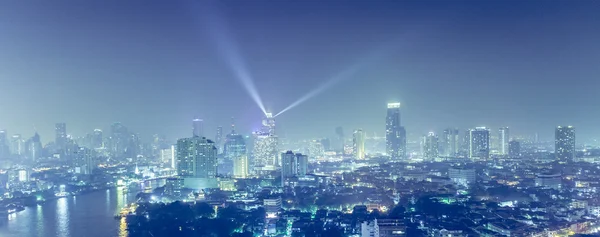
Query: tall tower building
point(339, 132)
point(503, 140)
point(430, 146)
point(359, 144)
point(564, 143)
point(119, 139)
point(394, 132)
point(196, 158)
point(219, 139)
point(34, 146)
point(450, 142)
point(266, 145)
point(293, 165)
point(197, 127)
point(241, 167)
point(479, 143)
point(4, 148)
point(17, 145)
point(61, 135)
point(235, 151)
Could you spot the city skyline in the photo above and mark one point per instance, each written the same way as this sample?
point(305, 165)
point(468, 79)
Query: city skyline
point(485, 79)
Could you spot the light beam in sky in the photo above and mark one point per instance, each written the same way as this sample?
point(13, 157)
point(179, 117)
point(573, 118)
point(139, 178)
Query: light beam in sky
point(343, 75)
point(229, 52)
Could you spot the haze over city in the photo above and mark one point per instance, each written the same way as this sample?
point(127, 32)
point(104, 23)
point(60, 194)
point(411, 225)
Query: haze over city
point(156, 65)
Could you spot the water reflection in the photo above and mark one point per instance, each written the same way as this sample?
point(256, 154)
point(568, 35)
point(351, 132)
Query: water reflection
point(62, 217)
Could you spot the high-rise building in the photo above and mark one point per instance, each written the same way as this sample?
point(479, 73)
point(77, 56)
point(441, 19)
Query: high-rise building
point(514, 149)
point(96, 140)
point(34, 147)
point(61, 135)
point(293, 165)
point(4, 148)
point(450, 142)
point(17, 146)
point(119, 139)
point(394, 133)
point(358, 140)
point(219, 139)
point(266, 146)
point(168, 156)
point(503, 141)
point(315, 149)
point(339, 132)
point(479, 143)
point(430, 146)
point(196, 158)
point(197, 127)
point(241, 166)
point(564, 143)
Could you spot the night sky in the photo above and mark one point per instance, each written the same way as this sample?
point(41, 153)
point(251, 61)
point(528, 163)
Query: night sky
point(155, 65)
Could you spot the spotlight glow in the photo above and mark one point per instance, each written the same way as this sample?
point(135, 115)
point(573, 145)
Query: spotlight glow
point(344, 75)
point(229, 52)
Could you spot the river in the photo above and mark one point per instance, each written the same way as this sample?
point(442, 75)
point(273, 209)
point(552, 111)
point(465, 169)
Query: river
point(86, 215)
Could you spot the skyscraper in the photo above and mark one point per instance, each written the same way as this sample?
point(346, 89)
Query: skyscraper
point(514, 149)
point(219, 139)
point(61, 135)
point(503, 140)
point(293, 165)
point(359, 144)
point(197, 162)
point(241, 166)
point(97, 141)
point(479, 143)
point(235, 151)
point(430, 146)
point(119, 139)
point(4, 148)
point(564, 143)
point(197, 127)
point(167, 156)
point(266, 145)
point(17, 146)
point(450, 142)
point(394, 132)
point(34, 147)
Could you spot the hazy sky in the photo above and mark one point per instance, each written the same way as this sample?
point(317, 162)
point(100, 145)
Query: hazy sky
point(154, 65)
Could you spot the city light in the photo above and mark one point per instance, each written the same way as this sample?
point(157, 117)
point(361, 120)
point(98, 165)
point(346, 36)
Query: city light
point(229, 52)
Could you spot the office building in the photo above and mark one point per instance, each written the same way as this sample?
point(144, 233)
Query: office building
point(450, 143)
point(173, 186)
point(17, 145)
point(219, 139)
point(272, 207)
point(197, 162)
point(4, 147)
point(564, 143)
point(34, 147)
point(358, 139)
point(60, 130)
point(503, 141)
point(293, 165)
point(96, 140)
point(168, 157)
point(514, 149)
point(395, 134)
point(479, 143)
point(266, 154)
point(119, 139)
point(430, 146)
point(241, 167)
point(198, 127)
point(383, 228)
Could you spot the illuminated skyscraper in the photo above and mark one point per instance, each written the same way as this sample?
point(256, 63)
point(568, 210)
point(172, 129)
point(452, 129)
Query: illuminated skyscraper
point(241, 166)
point(503, 140)
point(17, 145)
point(196, 158)
point(197, 127)
point(168, 156)
point(450, 142)
point(61, 135)
point(34, 147)
point(564, 143)
point(430, 146)
point(359, 144)
point(266, 145)
point(219, 139)
point(235, 151)
point(479, 143)
point(119, 139)
point(394, 133)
